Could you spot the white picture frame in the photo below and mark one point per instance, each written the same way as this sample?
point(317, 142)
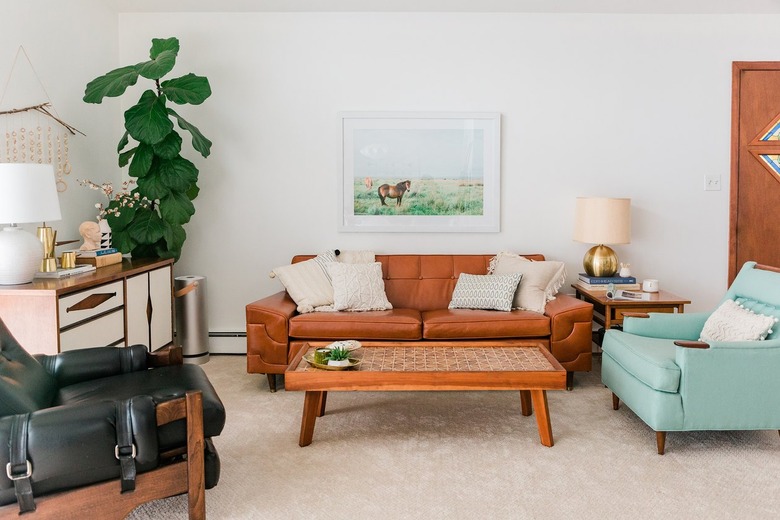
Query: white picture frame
point(451, 160)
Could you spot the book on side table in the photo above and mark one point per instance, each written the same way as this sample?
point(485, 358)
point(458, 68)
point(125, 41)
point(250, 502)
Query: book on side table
point(62, 273)
point(100, 260)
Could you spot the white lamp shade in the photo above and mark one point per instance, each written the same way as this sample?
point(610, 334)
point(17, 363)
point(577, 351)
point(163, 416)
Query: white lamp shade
point(602, 220)
point(28, 193)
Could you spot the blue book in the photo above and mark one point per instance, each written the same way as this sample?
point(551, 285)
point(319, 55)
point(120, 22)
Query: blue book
point(603, 280)
point(96, 252)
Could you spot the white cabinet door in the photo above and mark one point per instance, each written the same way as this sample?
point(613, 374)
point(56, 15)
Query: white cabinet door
point(149, 308)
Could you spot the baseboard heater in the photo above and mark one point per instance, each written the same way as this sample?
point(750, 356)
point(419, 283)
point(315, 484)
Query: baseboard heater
point(227, 342)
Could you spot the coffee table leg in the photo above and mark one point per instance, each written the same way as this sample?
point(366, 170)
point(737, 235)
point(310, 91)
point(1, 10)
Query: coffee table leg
point(323, 399)
point(311, 407)
point(539, 398)
point(525, 402)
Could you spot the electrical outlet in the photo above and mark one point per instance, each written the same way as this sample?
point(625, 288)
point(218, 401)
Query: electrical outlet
point(712, 183)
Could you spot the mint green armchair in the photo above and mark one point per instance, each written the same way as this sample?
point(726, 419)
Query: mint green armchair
point(673, 382)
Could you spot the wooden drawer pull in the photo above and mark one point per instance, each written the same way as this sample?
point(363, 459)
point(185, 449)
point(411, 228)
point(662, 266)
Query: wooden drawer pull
point(91, 301)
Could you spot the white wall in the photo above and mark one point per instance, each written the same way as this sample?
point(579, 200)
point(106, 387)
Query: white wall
point(66, 50)
point(599, 105)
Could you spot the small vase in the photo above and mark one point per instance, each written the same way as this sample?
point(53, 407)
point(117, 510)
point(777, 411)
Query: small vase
point(105, 234)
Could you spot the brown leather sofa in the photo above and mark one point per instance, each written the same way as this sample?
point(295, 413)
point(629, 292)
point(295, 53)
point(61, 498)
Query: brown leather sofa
point(420, 288)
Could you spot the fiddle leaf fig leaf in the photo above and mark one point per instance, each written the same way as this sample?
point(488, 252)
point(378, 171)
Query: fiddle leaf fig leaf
point(169, 147)
point(174, 237)
point(112, 84)
point(190, 89)
point(178, 174)
point(122, 143)
point(147, 122)
point(147, 227)
point(142, 161)
point(160, 45)
point(193, 192)
point(125, 157)
point(176, 208)
point(152, 187)
point(120, 222)
point(199, 142)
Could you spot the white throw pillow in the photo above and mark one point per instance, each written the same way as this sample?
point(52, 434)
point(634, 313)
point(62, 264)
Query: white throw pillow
point(732, 322)
point(356, 257)
point(358, 287)
point(308, 282)
point(541, 280)
point(485, 291)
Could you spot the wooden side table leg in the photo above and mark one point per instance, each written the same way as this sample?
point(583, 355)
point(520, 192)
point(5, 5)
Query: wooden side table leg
point(311, 406)
point(525, 402)
point(539, 398)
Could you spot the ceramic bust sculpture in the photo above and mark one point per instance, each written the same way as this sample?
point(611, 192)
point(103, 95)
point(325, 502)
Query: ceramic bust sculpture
point(625, 269)
point(90, 232)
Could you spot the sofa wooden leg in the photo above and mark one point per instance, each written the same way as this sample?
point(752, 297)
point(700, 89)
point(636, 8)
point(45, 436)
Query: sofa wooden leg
point(272, 382)
point(615, 402)
point(569, 380)
point(660, 440)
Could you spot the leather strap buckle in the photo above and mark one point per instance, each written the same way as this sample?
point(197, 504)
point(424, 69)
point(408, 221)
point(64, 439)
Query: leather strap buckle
point(26, 474)
point(120, 451)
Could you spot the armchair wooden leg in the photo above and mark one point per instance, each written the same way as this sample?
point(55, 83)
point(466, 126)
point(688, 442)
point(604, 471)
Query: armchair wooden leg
point(615, 402)
point(272, 382)
point(196, 493)
point(660, 440)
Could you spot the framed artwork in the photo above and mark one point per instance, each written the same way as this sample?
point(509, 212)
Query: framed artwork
point(419, 172)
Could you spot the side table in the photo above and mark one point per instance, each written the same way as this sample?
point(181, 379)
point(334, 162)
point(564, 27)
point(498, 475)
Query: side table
point(608, 312)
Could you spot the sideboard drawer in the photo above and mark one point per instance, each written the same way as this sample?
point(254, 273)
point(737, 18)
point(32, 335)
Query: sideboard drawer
point(91, 302)
point(106, 330)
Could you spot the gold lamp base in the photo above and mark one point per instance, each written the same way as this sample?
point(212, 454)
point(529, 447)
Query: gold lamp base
point(600, 260)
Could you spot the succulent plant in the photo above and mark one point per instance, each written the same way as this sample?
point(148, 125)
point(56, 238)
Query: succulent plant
point(339, 354)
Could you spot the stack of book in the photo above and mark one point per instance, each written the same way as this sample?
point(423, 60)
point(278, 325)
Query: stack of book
point(600, 283)
point(99, 257)
point(63, 273)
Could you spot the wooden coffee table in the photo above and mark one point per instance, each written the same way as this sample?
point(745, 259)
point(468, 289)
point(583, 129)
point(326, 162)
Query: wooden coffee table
point(409, 366)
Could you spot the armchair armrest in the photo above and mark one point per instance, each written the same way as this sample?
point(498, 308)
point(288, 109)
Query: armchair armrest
point(75, 366)
point(667, 325)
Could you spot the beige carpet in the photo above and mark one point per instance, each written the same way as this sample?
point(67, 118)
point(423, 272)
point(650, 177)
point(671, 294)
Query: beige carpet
point(437, 455)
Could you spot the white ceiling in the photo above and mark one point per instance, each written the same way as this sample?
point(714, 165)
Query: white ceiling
point(526, 6)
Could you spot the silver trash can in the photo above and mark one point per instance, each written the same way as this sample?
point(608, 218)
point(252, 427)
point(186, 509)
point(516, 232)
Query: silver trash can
point(192, 327)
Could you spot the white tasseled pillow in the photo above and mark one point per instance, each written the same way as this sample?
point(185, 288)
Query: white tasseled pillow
point(732, 322)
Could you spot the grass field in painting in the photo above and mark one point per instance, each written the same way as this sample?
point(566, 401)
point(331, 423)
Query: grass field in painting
point(446, 197)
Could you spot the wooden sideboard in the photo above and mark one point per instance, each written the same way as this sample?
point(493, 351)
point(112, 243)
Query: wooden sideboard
point(121, 304)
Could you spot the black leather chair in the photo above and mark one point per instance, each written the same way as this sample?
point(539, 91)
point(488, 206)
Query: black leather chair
point(97, 432)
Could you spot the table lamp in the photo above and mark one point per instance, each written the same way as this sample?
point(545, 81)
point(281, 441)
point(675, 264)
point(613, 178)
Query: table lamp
point(602, 221)
point(28, 193)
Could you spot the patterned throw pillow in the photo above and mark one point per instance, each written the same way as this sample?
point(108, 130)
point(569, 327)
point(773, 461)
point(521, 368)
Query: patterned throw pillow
point(308, 282)
point(541, 280)
point(732, 322)
point(358, 287)
point(488, 291)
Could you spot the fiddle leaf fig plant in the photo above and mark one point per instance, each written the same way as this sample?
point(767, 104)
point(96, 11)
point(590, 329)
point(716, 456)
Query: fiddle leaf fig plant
point(162, 175)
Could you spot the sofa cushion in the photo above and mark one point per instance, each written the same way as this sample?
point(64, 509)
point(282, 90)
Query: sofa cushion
point(308, 283)
point(476, 324)
point(540, 283)
point(491, 292)
point(358, 287)
point(389, 324)
point(650, 360)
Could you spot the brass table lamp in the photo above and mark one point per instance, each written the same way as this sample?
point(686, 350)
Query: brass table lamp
point(602, 221)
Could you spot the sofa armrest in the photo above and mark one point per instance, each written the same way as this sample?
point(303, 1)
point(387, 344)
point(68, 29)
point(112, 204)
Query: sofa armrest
point(570, 331)
point(75, 366)
point(267, 333)
point(667, 325)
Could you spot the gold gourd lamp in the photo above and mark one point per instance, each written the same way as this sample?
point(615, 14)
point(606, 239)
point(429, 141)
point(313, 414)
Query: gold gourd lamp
point(601, 221)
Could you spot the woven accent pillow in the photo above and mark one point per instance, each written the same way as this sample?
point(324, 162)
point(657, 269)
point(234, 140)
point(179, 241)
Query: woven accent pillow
point(358, 287)
point(541, 280)
point(485, 291)
point(308, 282)
point(732, 322)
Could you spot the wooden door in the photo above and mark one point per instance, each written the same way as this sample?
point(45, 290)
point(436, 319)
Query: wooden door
point(754, 232)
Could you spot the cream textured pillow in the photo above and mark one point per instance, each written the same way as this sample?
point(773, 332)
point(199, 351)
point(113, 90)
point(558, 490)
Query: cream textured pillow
point(356, 257)
point(308, 282)
point(541, 280)
point(485, 291)
point(732, 322)
point(358, 287)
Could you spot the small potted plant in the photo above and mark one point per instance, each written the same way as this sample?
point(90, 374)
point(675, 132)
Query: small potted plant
point(339, 357)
